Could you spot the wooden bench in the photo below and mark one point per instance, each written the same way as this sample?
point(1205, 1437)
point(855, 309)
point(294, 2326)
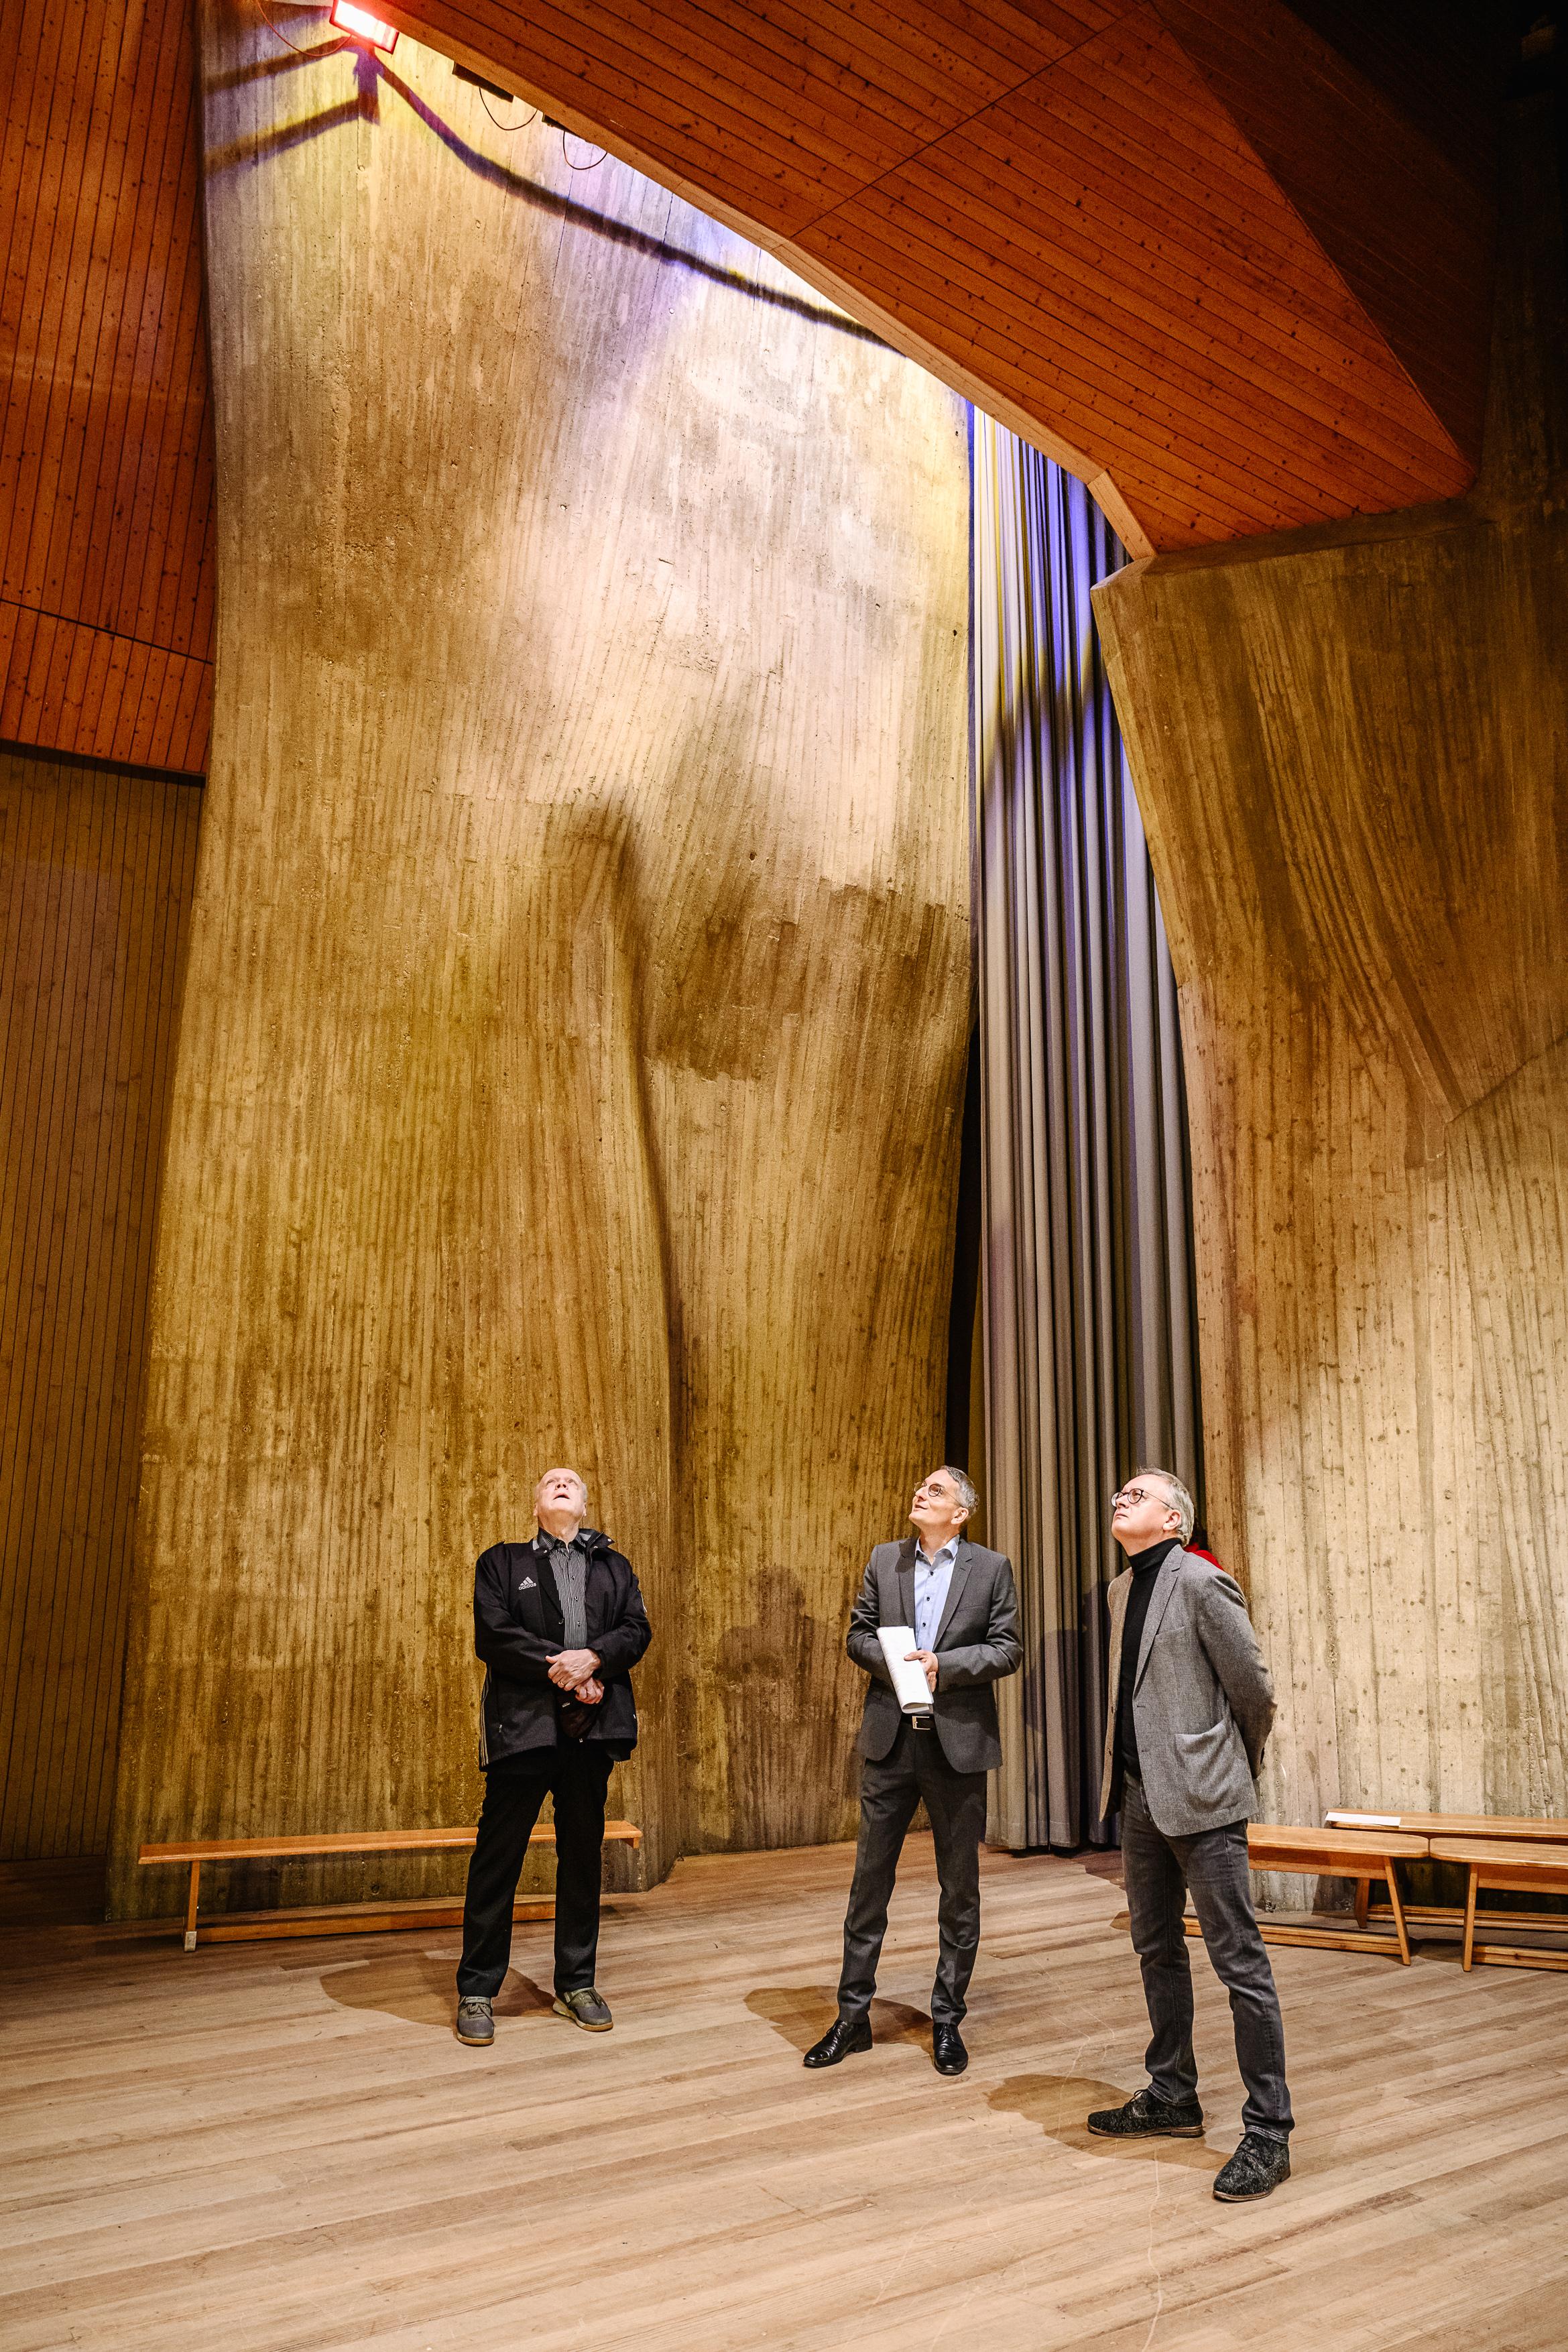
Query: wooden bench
point(1523, 1827)
point(1533, 1830)
point(340, 1918)
point(1504, 1866)
point(1360, 1854)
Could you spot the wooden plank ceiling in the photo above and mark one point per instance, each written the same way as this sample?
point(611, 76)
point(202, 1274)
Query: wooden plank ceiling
point(1226, 259)
point(106, 471)
point(1230, 265)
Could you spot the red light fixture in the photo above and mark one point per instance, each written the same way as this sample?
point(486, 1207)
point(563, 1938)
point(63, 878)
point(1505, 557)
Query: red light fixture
point(360, 26)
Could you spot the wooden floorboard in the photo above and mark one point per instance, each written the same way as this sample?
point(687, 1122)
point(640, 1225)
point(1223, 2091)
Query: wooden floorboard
point(263, 2147)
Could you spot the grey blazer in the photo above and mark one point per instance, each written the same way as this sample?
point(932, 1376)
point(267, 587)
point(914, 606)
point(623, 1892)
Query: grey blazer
point(1202, 1703)
point(976, 1644)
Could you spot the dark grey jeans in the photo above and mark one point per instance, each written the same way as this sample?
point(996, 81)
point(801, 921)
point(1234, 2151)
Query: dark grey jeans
point(1159, 1870)
point(955, 1803)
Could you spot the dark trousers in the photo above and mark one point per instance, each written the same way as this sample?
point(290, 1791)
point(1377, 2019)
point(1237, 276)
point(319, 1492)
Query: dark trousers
point(956, 1801)
point(576, 1773)
point(1159, 1870)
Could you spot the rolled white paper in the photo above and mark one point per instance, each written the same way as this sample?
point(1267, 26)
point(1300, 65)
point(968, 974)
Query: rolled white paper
point(910, 1686)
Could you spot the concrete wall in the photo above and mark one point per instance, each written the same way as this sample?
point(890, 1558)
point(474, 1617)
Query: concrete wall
point(579, 980)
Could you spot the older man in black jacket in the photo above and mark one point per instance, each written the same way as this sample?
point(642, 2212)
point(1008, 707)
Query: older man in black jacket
point(558, 1623)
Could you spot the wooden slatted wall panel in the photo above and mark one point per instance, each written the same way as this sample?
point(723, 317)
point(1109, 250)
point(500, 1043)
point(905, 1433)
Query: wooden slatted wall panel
point(1186, 246)
point(105, 473)
point(95, 884)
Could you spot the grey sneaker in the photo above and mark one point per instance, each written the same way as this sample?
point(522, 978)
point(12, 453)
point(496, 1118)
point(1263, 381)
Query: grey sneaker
point(474, 2021)
point(1145, 2117)
point(585, 2007)
point(1257, 2167)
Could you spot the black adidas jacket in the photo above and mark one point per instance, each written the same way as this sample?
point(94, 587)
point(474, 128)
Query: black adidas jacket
point(519, 1628)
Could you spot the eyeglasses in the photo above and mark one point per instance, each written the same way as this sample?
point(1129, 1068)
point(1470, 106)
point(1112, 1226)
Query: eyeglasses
point(1133, 1495)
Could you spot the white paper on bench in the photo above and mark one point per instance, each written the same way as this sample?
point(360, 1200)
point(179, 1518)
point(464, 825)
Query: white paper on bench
point(910, 1686)
point(1360, 1820)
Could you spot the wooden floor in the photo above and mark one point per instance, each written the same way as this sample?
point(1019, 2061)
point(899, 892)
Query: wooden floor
point(284, 2146)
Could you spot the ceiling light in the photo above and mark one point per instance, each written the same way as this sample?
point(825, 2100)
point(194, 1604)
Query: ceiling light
point(364, 26)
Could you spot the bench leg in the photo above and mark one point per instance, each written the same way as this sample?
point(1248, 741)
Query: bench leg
point(190, 1901)
point(1362, 1900)
point(1470, 1916)
point(1398, 1910)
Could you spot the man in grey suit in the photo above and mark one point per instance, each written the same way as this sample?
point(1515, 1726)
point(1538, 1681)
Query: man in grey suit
point(1191, 1707)
point(961, 1602)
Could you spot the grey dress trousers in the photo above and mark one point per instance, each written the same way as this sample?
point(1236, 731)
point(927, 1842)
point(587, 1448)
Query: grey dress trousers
point(976, 1644)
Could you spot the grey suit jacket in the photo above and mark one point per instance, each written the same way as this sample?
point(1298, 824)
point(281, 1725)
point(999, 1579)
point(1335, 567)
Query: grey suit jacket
point(976, 1644)
point(1202, 1704)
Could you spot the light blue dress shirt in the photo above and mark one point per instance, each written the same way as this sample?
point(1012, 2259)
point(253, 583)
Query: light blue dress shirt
point(932, 1577)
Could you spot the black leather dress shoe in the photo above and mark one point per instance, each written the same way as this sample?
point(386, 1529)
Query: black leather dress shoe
point(948, 2054)
point(1147, 2117)
point(842, 2040)
point(1256, 2169)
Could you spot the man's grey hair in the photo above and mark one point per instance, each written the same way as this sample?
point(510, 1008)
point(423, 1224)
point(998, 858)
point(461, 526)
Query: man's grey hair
point(967, 1494)
point(1180, 1499)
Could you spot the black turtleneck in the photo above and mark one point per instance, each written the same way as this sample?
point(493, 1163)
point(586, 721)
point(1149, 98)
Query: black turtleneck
point(1145, 1566)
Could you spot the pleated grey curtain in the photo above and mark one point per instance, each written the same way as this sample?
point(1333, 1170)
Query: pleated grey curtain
point(1088, 1331)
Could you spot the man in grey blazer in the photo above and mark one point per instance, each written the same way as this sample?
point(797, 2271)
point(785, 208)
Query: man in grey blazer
point(1190, 1707)
point(961, 1602)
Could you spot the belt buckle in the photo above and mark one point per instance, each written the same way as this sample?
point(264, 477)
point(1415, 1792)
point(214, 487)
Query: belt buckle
point(924, 1720)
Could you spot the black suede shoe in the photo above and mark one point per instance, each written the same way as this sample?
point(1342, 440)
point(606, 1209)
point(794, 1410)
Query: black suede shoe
point(842, 2040)
point(1145, 2117)
point(948, 2054)
point(1256, 2169)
